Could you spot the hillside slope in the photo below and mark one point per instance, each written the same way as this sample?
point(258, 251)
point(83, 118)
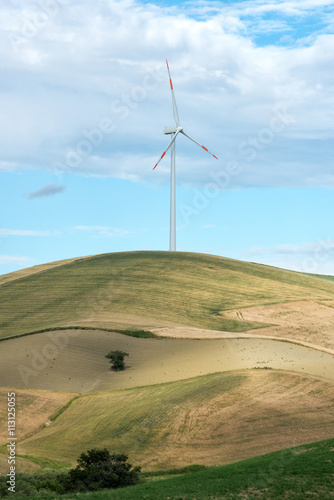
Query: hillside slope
point(149, 289)
point(213, 419)
point(74, 360)
point(296, 473)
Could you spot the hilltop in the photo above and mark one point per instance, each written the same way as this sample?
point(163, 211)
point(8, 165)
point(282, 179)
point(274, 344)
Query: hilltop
point(154, 290)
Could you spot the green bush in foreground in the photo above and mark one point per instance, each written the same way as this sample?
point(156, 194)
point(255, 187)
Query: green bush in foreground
point(305, 472)
point(96, 470)
point(99, 469)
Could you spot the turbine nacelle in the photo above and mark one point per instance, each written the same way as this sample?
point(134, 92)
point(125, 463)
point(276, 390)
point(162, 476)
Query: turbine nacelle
point(172, 130)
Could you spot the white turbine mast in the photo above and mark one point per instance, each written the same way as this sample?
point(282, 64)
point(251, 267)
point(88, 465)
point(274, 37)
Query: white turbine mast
point(174, 131)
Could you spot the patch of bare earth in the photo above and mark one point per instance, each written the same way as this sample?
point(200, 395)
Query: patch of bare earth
point(74, 360)
point(308, 322)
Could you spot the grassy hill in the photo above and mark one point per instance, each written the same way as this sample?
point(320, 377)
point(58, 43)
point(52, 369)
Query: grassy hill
point(147, 289)
point(183, 419)
point(213, 419)
point(297, 473)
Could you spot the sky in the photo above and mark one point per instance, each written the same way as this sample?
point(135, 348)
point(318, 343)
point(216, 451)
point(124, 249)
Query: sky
point(84, 99)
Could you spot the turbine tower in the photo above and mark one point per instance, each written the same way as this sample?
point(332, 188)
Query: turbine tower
point(174, 131)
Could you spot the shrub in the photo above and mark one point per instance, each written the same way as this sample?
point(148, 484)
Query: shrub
point(96, 469)
point(99, 469)
point(117, 359)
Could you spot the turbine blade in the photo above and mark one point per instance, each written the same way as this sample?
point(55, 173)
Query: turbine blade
point(176, 114)
point(169, 145)
point(199, 144)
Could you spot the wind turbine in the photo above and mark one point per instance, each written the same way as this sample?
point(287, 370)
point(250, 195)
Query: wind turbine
point(174, 131)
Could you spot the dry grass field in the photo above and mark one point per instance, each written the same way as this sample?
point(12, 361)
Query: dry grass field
point(33, 410)
point(214, 419)
point(150, 290)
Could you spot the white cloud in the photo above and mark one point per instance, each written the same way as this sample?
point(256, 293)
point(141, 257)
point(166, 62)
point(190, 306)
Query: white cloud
point(104, 230)
point(22, 232)
point(8, 166)
point(11, 259)
point(79, 96)
point(308, 248)
point(310, 257)
point(289, 7)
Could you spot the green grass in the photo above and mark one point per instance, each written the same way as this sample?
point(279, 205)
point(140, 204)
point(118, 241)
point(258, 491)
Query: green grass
point(143, 290)
point(44, 463)
point(142, 334)
point(321, 276)
point(61, 410)
point(305, 472)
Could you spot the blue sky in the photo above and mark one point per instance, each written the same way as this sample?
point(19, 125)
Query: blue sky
point(85, 96)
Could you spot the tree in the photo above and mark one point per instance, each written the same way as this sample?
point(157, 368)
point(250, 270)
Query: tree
point(117, 359)
point(99, 469)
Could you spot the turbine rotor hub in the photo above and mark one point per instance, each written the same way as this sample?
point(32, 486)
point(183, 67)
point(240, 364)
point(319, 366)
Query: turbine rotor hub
point(172, 130)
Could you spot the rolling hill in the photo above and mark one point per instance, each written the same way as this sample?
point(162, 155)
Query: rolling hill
point(296, 473)
point(215, 321)
point(212, 419)
point(151, 290)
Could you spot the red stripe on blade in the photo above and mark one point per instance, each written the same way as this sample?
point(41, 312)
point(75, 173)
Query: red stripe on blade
point(167, 64)
point(163, 154)
point(215, 157)
point(204, 148)
point(154, 166)
point(171, 85)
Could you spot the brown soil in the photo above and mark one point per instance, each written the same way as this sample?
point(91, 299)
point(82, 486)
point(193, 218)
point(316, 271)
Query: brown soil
point(41, 362)
point(306, 321)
